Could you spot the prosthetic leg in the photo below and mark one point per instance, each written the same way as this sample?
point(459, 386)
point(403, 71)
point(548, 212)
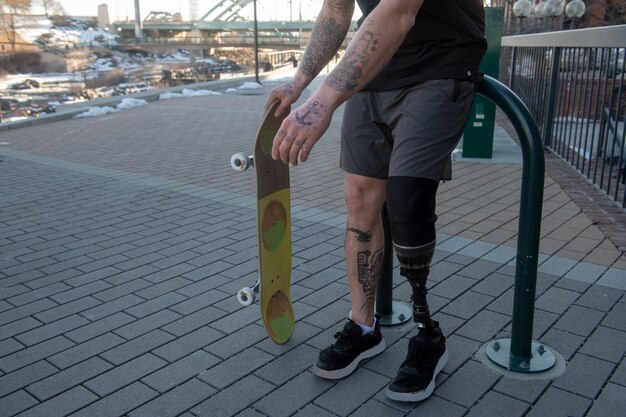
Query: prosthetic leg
point(411, 204)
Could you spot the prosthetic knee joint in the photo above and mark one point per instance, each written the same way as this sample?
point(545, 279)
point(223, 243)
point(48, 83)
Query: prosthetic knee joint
point(411, 206)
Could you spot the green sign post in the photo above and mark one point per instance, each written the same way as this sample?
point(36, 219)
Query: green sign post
point(478, 134)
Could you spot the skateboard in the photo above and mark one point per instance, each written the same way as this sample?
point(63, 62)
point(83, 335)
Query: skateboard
point(274, 232)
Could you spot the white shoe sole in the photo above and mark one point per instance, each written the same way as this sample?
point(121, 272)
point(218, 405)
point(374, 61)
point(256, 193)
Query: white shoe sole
point(344, 372)
point(423, 394)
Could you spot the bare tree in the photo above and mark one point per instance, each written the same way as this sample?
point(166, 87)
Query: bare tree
point(9, 10)
point(52, 8)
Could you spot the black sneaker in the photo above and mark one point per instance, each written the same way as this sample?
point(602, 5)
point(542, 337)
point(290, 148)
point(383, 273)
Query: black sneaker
point(350, 348)
point(415, 380)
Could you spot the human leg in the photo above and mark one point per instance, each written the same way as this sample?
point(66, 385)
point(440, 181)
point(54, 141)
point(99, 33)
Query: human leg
point(364, 253)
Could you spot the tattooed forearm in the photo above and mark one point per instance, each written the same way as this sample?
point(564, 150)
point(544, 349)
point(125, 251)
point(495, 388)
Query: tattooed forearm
point(360, 235)
point(326, 39)
point(346, 75)
point(337, 6)
point(368, 270)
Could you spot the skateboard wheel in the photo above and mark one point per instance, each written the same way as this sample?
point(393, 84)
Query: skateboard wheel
point(246, 296)
point(240, 162)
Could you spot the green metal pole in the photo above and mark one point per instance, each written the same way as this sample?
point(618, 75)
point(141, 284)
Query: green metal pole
point(529, 219)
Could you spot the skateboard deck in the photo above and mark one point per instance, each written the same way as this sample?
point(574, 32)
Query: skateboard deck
point(274, 232)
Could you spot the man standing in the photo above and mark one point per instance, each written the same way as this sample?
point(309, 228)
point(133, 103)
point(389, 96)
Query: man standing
point(408, 78)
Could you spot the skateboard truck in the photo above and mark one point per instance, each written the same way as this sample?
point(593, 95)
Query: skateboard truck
point(240, 161)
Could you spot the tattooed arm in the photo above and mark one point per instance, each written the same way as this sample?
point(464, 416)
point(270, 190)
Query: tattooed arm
point(329, 31)
point(373, 46)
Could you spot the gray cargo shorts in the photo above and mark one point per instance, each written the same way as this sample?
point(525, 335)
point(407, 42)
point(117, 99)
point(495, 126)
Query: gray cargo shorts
point(408, 132)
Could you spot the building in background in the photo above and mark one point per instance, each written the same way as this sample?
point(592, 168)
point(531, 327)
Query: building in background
point(103, 16)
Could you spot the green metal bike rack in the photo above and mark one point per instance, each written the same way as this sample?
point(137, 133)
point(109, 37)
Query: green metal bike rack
point(518, 353)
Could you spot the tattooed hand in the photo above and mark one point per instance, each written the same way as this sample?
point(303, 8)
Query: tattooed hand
point(287, 93)
point(300, 131)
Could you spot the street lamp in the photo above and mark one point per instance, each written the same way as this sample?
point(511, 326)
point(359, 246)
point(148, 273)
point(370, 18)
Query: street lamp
point(522, 9)
point(575, 9)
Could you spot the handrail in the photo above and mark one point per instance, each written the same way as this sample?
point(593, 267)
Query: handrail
point(604, 37)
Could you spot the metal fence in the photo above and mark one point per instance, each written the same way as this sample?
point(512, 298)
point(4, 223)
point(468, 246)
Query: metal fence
point(573, 83)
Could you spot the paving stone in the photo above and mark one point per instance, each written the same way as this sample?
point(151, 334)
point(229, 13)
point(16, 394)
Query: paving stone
point(136, 347)
point(85, 350)
point(484, 326)
point(155, 305)
point(468, 304)
point(63, 404)
point(615, 318)
point(460, 351)
point(563, 342)
point(18, 326)
point(23, 377)
point(180, 371)
point(16, 403)
point(479, 269)
point(585, 376)
point(24, 311)
point(374, 408)
point(176, 401)
point(80, 292)
point(556, 300)
point(494, 285)
point(312, 410)
point(34, 353)
point(119, 403)
point(606, 344)
point(559, 403)
point(613, 278)
point(111, 307)
point(611, 402)
point(288, 365)
point(67, 309)
point(68, 378)
point(437, 407)
point(146, 324)
point(495, 404)
point(347, 395)
point(124, 374)
point(100, 327)
point(9, 346)
point(468, 384)
point(619, 376)
point(187, 344)
point(452, 287)
point(293, 396)
point(600, 298)
point(236, 367)
point(38, 294)
point(194, 321)
point(527, 391)
point(234, 398)
point(579, 320)
point(234, 343)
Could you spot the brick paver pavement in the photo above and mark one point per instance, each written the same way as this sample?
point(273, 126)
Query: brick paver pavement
point(124, 238)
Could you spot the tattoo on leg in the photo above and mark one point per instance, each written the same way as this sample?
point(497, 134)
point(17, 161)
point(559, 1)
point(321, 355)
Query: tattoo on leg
point(346, 75)
point(368, 270)
point(360, 235)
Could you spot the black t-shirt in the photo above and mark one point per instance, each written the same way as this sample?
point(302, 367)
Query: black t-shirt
point(446, 42)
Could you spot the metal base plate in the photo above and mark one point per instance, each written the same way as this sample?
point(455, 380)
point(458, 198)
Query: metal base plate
point(543, 359)
point(400, 313)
